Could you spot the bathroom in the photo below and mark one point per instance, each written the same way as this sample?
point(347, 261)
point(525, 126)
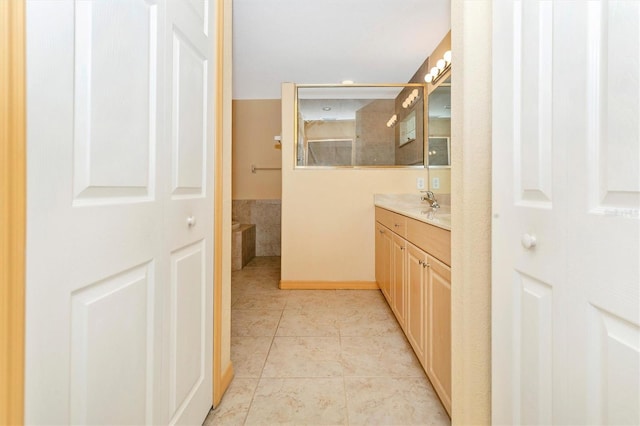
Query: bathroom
point(316, 219)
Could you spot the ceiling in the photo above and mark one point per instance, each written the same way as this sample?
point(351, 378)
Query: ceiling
point(328, 41)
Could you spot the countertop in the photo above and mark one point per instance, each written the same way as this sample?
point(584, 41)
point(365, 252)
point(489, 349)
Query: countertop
point(411, 206)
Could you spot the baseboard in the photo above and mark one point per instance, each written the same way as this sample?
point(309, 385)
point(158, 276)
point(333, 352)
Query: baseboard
point(225, 381)
point(329, 285)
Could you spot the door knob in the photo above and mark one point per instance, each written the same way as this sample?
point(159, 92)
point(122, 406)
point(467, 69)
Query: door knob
point(528, 241)
point(191, 221)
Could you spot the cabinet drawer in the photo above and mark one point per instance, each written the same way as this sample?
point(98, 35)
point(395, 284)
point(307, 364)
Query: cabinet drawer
point(435, 241)
point(396, 222)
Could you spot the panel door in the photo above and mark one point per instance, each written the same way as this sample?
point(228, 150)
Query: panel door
point(438, 350)
point(398, 282)
point(189, 73)
point(416, 282)
point(566, 203)
point(383, 260)
point(111, 287)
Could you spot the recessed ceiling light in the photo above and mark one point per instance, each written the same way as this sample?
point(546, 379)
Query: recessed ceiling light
point(347, 81)
point(326, 108)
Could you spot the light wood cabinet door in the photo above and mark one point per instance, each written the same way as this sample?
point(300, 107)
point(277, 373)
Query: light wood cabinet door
point(383, 260)
point(438, 306)
point(398, 282)
point(416, 286)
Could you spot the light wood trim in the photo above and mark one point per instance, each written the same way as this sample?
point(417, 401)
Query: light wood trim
point(220, 381)
point(329, 285)
point(435, 241)
point(226, 378)
point(12, 209)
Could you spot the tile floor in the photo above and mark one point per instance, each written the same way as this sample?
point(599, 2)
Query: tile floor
point(333, 357)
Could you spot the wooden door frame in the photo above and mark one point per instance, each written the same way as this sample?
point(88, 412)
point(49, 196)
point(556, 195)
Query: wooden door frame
point(12, 209)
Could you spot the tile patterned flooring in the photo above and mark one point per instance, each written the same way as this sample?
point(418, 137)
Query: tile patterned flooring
point(331, 357)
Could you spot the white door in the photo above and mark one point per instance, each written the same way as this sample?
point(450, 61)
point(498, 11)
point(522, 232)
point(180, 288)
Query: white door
point(119, 215)
point(566, 212)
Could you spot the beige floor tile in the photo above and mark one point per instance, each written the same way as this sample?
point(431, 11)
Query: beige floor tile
point(248, 355)
point(298, 401)
point(368, 322)
point(359, 299)
point(268, 301)
point(311, 299)
point(376, 356)
point(264, 262)
point(304, 357)
point(321, 323)
point(393, 401)
point(235, 403)
point(258, 280)
point(254, 322)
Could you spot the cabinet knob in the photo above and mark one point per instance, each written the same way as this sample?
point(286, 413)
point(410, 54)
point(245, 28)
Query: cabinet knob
point(425, 265)
point(396, 225)
point(191, 221)
point(382, 231)
point(528, 241)
point(420, 262)
point(401, 248)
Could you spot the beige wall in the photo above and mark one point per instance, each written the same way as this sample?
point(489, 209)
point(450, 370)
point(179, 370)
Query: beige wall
point(328, 215)
point(471, 212)
point(255, 123)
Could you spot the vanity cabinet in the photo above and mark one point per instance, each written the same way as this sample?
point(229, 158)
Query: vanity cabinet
point(398, 281)
point(416, 292)
point(413, 272)
point(383, 260)
point(438, 357)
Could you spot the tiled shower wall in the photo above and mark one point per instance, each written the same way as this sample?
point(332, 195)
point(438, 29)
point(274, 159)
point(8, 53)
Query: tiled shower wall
point(266, 215)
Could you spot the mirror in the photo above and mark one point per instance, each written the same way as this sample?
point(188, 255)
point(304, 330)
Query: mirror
point(439, 139)
point(360, 125)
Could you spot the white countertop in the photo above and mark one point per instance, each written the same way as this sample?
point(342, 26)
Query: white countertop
point(411, 206)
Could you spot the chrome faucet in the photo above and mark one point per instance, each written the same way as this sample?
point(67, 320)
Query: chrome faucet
point(431, 198)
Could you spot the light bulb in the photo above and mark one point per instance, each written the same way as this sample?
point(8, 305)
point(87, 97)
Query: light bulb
point(447, 56)
point(441, 64)
point(428, 78)
point(415, 93)
point(435, 71)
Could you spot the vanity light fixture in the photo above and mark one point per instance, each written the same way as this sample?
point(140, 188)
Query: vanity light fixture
point(410, 100)
point(392, 121)
point(442, 65)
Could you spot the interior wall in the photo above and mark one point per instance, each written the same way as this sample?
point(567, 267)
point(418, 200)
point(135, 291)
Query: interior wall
point(328, 215)
point(471, 212)
point(255, 123)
